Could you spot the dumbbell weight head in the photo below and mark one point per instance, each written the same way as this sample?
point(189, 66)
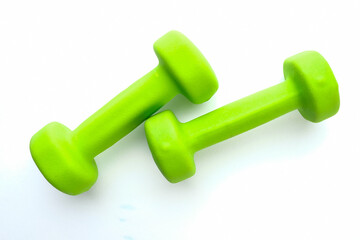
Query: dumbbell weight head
point(70, 169)
point(169, 147)
point(69, 165)
point(191, 71)
point(312, 75)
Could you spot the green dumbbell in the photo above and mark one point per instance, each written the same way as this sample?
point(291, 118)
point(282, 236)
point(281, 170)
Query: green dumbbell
point(309, 86)
point(66, 158)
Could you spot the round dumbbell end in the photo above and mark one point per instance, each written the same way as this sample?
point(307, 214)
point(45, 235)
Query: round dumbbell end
point(168, 147)
point(186, 66)
point(58, 159)
point(316, 84)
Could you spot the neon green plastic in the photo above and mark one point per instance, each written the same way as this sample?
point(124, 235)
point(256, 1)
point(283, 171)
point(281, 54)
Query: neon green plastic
point(310, 87)
point(66, 158)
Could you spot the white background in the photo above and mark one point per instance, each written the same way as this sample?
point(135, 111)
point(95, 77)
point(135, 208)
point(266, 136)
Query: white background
point(288, 179)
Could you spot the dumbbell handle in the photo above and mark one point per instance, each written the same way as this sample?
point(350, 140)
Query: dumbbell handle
point(125, 112)
point(241, 115)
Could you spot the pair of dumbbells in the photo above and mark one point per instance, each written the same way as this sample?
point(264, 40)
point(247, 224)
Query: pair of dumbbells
point(66, 158)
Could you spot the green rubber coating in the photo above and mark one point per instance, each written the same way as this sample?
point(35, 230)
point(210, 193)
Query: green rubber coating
point(66, 158)
point(310, 87)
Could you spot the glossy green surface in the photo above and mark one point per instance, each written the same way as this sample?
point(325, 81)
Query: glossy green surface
point(309, 86)
point(66, 158)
